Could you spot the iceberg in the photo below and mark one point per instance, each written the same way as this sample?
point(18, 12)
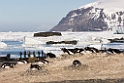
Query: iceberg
point(30, 42)
point(3, 45)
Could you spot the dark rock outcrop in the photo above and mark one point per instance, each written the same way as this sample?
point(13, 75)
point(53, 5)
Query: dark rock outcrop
point(46, 34)
point(74, 42)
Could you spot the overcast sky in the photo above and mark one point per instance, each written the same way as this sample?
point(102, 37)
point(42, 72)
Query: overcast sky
point(35, 15)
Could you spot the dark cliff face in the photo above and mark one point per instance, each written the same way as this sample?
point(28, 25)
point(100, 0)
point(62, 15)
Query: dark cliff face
point(82, 20)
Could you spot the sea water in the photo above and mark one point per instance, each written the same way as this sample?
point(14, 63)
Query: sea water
point(15, 47)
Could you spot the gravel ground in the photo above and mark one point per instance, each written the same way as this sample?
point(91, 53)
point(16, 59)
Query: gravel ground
point(95, 68)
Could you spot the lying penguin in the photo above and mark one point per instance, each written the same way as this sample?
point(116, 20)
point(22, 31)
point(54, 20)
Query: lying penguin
point(35, 67)
point(7, 65)
point(76, 63)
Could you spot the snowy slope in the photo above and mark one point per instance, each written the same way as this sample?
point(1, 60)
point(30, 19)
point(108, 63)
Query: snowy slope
point(110, 8)
point(108, 5)
point(111, 5)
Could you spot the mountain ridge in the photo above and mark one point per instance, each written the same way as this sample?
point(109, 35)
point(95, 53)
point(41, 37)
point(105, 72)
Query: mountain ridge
point(96, 16)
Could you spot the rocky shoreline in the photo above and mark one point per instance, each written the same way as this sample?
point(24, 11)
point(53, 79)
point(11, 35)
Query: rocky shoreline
point(94, 68)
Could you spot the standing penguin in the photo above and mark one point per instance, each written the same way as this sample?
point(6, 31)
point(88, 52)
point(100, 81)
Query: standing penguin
point(34, 53)
point(20, 55)
point(39, 54)
point(25, 54)
point(29, 54)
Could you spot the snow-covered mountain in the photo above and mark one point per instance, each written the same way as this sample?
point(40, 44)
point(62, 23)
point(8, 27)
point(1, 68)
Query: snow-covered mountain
point(97, 16)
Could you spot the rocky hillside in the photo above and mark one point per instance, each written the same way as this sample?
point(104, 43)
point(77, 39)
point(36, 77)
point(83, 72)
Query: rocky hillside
point(97, 16)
